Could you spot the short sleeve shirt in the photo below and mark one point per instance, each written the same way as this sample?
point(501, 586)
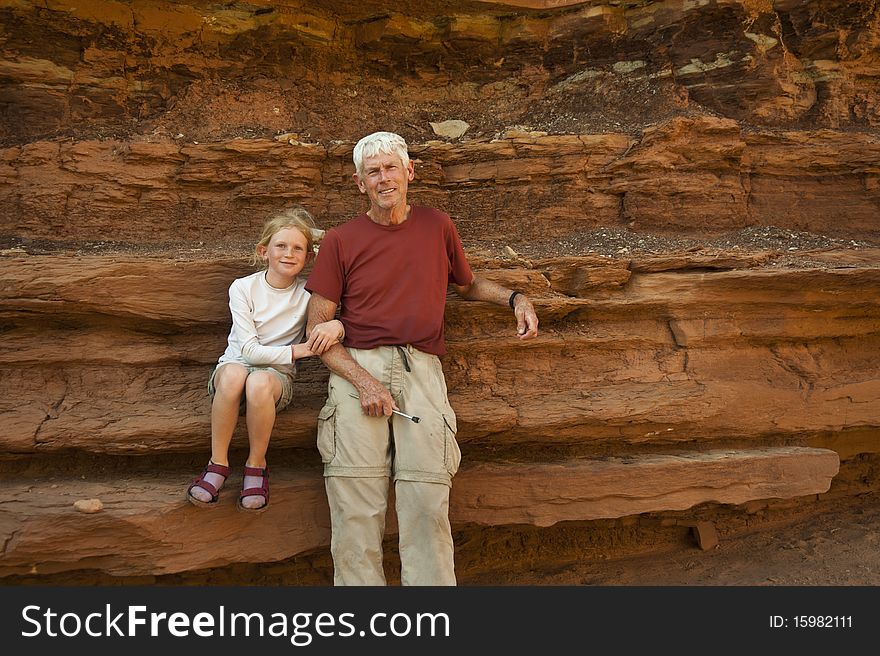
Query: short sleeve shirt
point(391, 281)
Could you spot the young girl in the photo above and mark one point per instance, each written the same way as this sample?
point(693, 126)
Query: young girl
point(257, 369)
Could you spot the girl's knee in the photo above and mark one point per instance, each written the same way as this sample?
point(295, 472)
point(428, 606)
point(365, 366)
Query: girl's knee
point(263, 385)
point(230, 379)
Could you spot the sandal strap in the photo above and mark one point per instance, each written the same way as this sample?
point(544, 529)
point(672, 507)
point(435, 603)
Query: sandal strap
point(255, 492)
point(263, 490)
point(210, 468)
point(222, 470)
point(205, 485)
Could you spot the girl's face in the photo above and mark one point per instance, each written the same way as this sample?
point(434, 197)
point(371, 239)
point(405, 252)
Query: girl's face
point(285, 256)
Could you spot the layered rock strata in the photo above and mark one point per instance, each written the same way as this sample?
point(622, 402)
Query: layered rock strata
point(685, 176)
point(663, 385)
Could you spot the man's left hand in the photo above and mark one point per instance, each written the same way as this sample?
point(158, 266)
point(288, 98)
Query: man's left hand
point(526, 319)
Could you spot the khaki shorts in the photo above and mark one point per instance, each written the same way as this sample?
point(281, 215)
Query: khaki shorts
point(353, 444)
point(286, 386)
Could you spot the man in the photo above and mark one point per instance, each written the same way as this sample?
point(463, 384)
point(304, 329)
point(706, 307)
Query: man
point(389, 269)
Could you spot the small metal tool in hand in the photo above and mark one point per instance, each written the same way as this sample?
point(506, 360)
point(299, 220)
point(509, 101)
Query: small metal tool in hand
point(412, 418)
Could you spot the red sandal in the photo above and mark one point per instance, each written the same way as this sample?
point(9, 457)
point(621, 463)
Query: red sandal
point(262, 491)
point(211, 468)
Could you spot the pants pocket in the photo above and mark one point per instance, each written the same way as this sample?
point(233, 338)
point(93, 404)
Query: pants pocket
point(451, 452)
point(327, 433)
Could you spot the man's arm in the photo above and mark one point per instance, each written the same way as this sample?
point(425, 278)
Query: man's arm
point(482, 289)
point(375, 398)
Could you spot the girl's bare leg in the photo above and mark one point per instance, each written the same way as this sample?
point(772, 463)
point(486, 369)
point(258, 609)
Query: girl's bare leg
point(229, 384)
point(263, 391)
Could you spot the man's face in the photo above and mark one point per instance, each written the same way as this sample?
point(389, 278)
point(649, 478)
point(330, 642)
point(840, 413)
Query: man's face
point(385, 180)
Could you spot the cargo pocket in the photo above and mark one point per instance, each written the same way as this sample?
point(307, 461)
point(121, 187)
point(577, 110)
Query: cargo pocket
point(327, 433)
point(451, 452)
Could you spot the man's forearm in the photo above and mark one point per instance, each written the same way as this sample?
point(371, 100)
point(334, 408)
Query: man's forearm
point(486, 290)
point(482, 289)
point(338, 360)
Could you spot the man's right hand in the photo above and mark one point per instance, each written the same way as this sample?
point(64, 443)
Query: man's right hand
point(375, 398)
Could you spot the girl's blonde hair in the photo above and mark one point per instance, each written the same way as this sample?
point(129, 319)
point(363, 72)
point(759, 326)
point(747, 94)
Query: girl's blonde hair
point(295, 217)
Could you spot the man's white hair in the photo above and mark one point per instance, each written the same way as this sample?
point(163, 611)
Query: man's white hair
point(384, 142)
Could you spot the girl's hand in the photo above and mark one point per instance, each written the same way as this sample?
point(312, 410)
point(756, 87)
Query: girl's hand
point(325, 335)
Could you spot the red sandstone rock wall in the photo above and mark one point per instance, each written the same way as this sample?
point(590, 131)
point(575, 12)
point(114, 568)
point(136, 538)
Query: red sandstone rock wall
point(688, 176)
point(619, 165)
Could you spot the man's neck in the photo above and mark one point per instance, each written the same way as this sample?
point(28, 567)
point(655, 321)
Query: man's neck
point(394, 216)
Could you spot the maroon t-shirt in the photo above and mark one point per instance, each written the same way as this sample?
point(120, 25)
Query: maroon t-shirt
point(391, 281)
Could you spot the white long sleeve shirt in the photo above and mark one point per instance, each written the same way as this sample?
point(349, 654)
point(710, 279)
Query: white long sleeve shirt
point(265, 322)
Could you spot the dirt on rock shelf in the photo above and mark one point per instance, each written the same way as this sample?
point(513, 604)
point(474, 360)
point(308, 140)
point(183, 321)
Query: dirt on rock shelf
point(790, 247)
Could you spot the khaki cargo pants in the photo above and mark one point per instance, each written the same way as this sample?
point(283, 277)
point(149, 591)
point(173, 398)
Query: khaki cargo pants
point(360, 453)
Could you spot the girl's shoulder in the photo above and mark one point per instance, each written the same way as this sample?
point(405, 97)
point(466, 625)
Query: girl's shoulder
point(246, 284)
point(249, 279)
